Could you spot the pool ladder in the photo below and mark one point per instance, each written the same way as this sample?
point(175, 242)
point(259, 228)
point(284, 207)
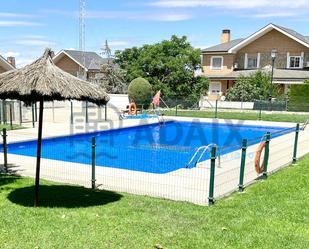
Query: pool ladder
point(305, 124)
point(161, 120)
point(204, 149)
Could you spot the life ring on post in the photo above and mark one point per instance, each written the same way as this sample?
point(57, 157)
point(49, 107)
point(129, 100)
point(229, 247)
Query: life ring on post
point(259, 167)
point(132, 109)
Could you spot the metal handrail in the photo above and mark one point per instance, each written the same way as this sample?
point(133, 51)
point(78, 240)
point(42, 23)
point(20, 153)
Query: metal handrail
point(161, 120)
point(305, 124)
point(205, 148)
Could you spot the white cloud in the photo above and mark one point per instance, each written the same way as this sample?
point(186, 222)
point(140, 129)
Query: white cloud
point(11, 54)
point(35, 42)
point(160, 16)
point(18, 24)
point(154, 16)
point(118, 43)
point(15, 15)
point(170, 17)
point(23, 61)
point(273, 14)
point(244, 8)
point(231, 4)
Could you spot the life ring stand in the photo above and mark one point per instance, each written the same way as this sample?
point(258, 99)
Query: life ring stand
point(132, 109)
point(259, 167)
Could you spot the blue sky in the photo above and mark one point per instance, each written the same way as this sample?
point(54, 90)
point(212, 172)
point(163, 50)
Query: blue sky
point(28, 26)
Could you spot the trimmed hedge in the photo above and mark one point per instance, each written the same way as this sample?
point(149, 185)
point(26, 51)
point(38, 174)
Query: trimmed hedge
point(299, 98)
point(140, 92)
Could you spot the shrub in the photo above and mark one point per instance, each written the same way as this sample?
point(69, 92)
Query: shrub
point(251, 88)
point(243, 90)
point(140, 92)
point(299, 98)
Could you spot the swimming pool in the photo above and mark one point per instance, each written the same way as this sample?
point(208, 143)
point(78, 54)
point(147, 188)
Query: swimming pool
point(150, 148)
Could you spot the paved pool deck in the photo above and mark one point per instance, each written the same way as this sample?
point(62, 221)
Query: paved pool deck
point(190, 185)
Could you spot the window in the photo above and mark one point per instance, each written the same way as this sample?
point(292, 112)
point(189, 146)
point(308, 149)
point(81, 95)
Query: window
point(252, 62)
point(216, 62)
point(295, 62)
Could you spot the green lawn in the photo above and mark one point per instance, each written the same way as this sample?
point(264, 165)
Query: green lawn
point(270, 214)
point(241, 115)
point(8, 127)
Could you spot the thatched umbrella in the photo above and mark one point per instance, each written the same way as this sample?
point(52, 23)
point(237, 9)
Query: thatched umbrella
point(43, 81)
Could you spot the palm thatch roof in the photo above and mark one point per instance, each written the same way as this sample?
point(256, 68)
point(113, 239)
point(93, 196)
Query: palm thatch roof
point(44, 80)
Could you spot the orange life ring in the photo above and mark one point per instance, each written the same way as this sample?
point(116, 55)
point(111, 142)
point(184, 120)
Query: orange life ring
point(132, 109)
point(259, 168)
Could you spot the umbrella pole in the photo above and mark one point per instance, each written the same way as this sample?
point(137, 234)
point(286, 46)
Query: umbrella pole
point(38, 155)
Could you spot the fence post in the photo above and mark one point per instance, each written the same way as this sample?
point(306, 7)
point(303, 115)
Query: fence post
point(4, 111)
point(105, 112)
point(211, 200)
point(266, 157)
point(0, 115)
point(72, 113)
point(36, 112)
point(20, 114)
point(5, 153)
point(176, 109)
point(260, 111)
point(242, 165)
point(33, 124)
point(87, 119)
point(295, 144)
point(93, 163)
point(11, 115)
point(216, 110)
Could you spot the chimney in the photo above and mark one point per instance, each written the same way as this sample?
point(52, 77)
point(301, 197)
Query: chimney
point(11, 60)
point(226, 35)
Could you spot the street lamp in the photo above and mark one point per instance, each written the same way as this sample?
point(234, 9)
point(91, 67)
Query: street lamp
point(273, 57)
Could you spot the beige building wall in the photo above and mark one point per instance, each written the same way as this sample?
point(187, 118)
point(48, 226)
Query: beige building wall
point(2, 70)
point(228, 62)
point(277, 40)
point(68, 65)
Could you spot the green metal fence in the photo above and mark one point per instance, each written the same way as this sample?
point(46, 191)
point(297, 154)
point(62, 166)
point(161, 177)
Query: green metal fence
point(240, 181)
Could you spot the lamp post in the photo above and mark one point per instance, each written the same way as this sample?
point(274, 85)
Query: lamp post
point(273, 57)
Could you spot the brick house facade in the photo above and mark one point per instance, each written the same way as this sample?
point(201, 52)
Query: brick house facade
point(6, 65)
point(223, 63)
point(80, 64)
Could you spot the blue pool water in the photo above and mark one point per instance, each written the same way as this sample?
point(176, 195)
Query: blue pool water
point(149, 148)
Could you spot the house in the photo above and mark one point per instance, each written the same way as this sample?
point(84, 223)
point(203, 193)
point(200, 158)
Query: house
point(79, 63)
point(6, 65)
point(223, 63)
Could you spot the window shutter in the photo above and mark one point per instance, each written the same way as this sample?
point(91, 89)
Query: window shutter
point(288, 60)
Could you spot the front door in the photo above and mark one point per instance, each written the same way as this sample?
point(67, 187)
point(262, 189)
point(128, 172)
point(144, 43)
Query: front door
point(214, 88)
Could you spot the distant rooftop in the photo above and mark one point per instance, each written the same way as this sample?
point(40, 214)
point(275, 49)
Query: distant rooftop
point(223, 47)
point(93, 61)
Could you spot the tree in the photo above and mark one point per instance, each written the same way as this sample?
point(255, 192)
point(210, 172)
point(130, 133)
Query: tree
point(169, 66)
point(111, 77)
point(254, 87)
